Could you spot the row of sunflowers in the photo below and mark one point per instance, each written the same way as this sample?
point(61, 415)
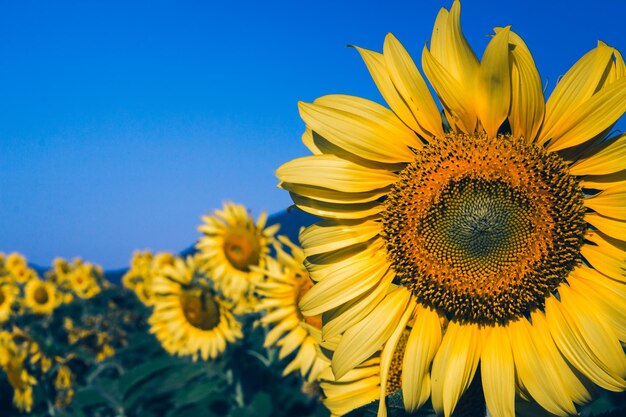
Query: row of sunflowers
point(236, 297)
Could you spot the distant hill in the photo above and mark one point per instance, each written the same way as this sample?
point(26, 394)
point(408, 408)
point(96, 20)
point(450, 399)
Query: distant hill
point(290, 220)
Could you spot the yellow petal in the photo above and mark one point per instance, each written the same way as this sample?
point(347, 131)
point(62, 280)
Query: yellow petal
point(327, 236)
point(421, 347)
point(613, 228)
point(338, 320)
point(493, 90)
point(611, 202)
point(344, 285)
point(591, 117)
point(450, 47)
point(387, 354)
point(576, 87)
point(378, 70)
point(309, 142)
point(336, 211)
point(454, 96)
point(365, 338)
point(329, 171)
point(572, 340)
point(607, 297)
point(527, 102)
point(602, 182)
point(454, 365)
point(607, 160)
point(412, 87)
point(361, 127)
point(327, 195)
point(604, 262)
point(319, 266)
point(541, 369)
point(497, 371)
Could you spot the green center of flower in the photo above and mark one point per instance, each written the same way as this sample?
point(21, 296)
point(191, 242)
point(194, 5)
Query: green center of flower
point(484, 229)
point(242, 249)
point(200, 308)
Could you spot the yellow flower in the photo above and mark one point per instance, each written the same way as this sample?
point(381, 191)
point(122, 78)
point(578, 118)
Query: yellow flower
point(231, 245)
point(83, 281)
point(9, 294)
point(14, 350)
point(144, 266)
point(189, 318)
point(41, 297)
point(287, 281)
point(17, 268)
point(64, 377)
point(507, 247)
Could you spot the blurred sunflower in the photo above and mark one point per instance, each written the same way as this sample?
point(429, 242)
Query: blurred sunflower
point(144, 266)
point(231, 245)
point(287, 280)
point(505, 234)
point(41, 297)
point(17, 267)
point(9, 294)
point(189, 317)
point(83, 280)
point(14, 351)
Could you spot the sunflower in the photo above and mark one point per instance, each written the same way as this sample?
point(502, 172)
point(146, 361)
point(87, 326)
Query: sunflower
point(505, 234)
point(15, 348)
point(9, 293)
point(232, 244)
point(17, 267)
point(286, 283)
point(144, 266)
point(83, 280)
point(189, 317)
point(41, 297)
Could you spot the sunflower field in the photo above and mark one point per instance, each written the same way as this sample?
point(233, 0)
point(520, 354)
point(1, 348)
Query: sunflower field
point(459, 252)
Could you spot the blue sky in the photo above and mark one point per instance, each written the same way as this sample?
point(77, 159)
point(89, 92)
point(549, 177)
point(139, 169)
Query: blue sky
point(121, 123)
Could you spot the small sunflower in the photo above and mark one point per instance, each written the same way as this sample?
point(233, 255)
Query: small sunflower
point(287, 281)
point(9, 293)
point(505, 234)
point(232, 244)
point(17, 267)
point(144, 266)
point(41, 297)
point(189, 317)
point(15, 348)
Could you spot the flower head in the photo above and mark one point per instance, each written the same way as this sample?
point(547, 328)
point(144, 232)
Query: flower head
point(499, 241)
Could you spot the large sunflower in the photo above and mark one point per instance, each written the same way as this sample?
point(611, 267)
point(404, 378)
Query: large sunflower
point(287, 281)
point(189, 318)
point(231, 245)
point(506, 233)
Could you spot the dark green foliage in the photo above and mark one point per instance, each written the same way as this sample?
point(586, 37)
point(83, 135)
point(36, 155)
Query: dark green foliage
point(142, 380)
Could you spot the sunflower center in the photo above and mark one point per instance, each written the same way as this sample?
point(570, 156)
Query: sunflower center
point(242, 249)
point(41, 295)
point(484, 229)
point(2, 297)
point(200, 308)
point(304, 285)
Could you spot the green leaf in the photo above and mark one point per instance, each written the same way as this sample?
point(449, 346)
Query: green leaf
point(130, 380)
